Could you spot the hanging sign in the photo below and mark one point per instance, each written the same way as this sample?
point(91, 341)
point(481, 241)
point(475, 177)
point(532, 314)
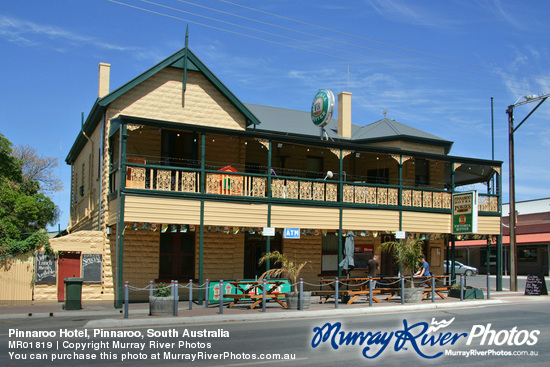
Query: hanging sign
point(400, 235)
point(465, 206)
point(322, 107)
point(268, 231)
point(291, 233)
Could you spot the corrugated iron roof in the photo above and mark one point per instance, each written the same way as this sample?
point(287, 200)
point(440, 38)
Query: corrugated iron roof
point(295, 122)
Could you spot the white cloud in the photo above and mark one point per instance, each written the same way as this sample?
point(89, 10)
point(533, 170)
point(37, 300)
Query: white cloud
point(404, 12)
point(30, 34)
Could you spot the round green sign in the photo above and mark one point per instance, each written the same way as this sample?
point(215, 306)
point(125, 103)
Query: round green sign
point(322, 107)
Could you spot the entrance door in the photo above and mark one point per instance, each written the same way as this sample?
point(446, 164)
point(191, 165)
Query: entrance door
point(69, 267)
point(254, 249)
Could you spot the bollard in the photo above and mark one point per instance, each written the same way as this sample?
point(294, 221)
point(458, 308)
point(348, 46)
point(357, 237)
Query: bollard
point(370, 291)
point(402, 290)
point(301, 296)
point(488, 284)
point(433, 288)
point(207, 293)
point(151, 288)
point(221, 297)
point(176, 298)
point(264, 299)
point(190, 294)
point(336, 291)
point(461, 287)
point(126, 296)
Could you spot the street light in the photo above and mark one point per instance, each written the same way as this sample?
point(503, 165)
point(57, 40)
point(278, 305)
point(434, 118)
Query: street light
point(511, 131)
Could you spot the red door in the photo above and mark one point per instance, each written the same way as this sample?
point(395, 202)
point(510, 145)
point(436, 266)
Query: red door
point(69, 267)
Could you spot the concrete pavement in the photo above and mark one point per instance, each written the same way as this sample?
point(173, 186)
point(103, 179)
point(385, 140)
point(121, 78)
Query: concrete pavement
point(103, 314)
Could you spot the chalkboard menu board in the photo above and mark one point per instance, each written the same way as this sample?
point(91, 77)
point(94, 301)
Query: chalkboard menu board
point(535, 285)
point(91, 267)
point(45, 268)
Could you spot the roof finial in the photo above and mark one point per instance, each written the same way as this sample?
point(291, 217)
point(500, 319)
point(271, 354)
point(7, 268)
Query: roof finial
point(385, 112)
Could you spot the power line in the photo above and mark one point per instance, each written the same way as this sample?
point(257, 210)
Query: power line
point(323, 46)
point(385, 44)
point(309, 50)
point(347, 43)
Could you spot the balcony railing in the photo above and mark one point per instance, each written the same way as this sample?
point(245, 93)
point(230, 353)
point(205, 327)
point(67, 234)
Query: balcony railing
point(250, 185)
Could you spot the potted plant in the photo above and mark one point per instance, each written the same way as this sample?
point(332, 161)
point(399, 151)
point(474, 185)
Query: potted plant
point(161, 303)
point(288, 269)
point(407, 255)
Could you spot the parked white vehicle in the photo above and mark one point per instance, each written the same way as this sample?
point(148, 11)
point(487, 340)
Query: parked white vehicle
point(460, 268)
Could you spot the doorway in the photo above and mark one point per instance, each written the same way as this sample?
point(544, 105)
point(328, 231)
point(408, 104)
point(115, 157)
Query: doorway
point(69, 267)
point(254, 248)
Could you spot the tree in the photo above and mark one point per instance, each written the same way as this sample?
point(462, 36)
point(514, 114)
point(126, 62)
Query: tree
point(37, 168)
point(24, 211)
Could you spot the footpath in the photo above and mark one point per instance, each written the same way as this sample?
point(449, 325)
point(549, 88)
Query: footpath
point(104, 314)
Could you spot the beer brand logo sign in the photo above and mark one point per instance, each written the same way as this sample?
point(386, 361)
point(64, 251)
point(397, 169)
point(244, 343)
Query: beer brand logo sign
point(322, 107)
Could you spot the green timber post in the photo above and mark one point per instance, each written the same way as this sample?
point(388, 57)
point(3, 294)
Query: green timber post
point(453, 240)
point(268, 239)
point(341, 210)
point(499, 237)
point(201, 226)
point(400, 198)
point(120, 225)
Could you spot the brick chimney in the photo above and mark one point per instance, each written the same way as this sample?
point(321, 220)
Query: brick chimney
point(344, 114)
point(104, 79)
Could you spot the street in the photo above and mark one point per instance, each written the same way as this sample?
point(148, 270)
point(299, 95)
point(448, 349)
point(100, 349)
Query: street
point(394, 339)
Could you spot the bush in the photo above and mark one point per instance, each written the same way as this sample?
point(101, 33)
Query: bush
point(162, 290)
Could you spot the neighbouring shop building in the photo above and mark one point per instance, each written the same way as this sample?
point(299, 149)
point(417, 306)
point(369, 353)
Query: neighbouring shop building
point(177, 179)
point(532, 238)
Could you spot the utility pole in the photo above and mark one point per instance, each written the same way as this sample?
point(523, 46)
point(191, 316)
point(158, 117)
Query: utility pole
point(512, 183)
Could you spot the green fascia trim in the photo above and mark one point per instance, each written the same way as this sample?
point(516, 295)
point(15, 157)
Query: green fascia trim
point(175, 60)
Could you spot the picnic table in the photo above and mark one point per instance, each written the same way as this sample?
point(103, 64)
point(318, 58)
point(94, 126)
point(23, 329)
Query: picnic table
point(392, 285)
point(350, 287)
point(253, 290)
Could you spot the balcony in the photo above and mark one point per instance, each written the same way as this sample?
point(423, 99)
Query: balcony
point(188, 180)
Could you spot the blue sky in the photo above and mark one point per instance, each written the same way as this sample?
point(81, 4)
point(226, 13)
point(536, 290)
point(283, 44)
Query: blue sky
point(431, 65)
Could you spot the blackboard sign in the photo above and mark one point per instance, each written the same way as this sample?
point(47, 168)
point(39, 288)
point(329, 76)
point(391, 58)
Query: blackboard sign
point(91, 267)
point(45, 268)
point(535, 285)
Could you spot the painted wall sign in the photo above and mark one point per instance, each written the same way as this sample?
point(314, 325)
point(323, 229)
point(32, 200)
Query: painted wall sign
point(45, 268)
point(322, 107)
point(91, 267)
point(293, 233)
point(465, 206)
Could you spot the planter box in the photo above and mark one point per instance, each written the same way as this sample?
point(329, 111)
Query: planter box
point(468, 293)
point(413, 295)
point(161, 306)
point(292, 300)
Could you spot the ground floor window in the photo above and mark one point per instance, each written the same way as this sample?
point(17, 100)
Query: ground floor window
point(177, 256)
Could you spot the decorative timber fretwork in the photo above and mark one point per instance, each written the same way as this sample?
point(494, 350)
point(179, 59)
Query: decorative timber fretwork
point(319, 191)
point(292, 189)
point(278, 188)
point(331, 192)
point(258, 187)
point(264, 142)
point(178, 180)
point(348, 194)
point(189, 181)
point(305, 191)
point(164, 180)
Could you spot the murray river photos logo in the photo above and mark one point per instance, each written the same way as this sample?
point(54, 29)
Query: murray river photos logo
point(427, 340)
